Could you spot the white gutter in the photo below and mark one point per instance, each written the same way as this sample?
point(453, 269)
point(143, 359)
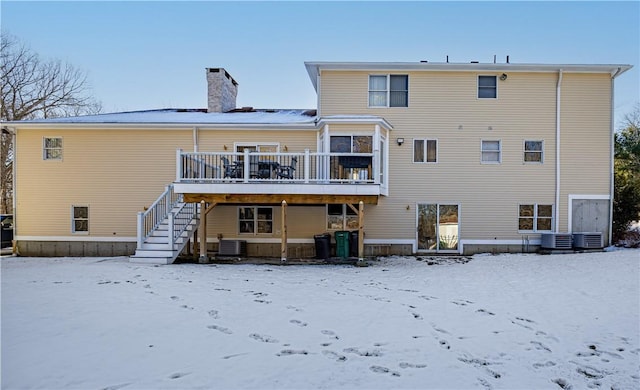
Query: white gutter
point(612, 151)
point(558, 95)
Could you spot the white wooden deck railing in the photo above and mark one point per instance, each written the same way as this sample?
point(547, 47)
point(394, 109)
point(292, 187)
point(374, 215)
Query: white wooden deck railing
point(257, 167)
point(159, 210)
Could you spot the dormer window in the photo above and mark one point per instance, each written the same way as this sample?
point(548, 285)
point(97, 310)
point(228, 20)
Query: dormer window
point(389, 90)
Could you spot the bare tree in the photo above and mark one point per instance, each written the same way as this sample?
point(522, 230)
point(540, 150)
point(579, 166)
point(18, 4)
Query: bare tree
point(33, 88)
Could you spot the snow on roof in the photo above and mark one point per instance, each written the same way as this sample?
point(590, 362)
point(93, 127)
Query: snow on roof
point(188, 116)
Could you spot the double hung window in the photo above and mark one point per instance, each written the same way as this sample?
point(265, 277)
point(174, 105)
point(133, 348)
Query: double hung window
point(341, 217)
point(255, 220)
point(535, 217)
point(389, 90)
point(425, 150)
point(533, 151)
point(79, 219)
point(52, 148)
point(487, 87)
point(491, 152)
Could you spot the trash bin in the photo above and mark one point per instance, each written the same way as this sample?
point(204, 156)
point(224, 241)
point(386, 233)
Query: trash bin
point(323, 245)
point(342, 243)
point(353, 243)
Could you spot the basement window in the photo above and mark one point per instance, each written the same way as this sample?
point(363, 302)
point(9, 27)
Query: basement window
point(255, 220)
point(80, 219)
point(341, 217)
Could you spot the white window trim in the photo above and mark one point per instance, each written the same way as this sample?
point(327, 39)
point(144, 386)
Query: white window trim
point(345, 207)
point(73, 219)
point(388, 90)
point(425, 150)
point(44, 149)
point(491, 151)
point(257, 145)
point(255, 221)
point(524, 150)
point(535, 217)
point(478, 86)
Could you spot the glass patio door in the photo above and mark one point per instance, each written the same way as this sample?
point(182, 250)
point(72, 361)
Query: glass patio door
point(438, 227)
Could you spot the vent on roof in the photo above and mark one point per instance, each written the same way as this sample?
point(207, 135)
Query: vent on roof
point(243, 109)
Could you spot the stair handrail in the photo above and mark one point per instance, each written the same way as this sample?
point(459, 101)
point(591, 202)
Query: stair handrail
point(149, 219)
point(178, 229)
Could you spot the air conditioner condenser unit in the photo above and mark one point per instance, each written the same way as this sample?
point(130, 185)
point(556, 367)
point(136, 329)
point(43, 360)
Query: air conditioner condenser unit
point(588, 240)
point(556, 241)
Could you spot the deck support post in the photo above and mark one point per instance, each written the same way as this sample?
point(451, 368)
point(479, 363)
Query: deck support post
point(361, 261)
point(283, 243)
point(203, 259)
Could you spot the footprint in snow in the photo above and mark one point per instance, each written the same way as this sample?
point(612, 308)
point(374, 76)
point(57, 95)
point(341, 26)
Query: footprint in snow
point(411, 365)
point(461, 302)
point(330, 333)
point(365, 352)
point(485, 312)
point(299, 323)
point(178, 375)
point(115, 387)
point(540, 347)
point(213, 314)
point(335, 356)
point(415, 315)
point(289, 352)
point(562, 383)
point(383, 370)
point(263, 338)
point(220, 329)
point(175, 298)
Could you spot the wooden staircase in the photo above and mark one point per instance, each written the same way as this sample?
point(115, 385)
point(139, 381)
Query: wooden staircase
point(165, 229)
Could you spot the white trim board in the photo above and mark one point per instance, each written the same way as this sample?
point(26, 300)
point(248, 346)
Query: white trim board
point(79, 238)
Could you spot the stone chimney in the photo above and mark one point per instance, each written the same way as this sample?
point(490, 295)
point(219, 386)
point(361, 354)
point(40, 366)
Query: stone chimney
point(222, 90)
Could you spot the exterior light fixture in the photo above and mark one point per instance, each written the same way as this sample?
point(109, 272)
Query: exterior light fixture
point(503, 77)
point(400, 141)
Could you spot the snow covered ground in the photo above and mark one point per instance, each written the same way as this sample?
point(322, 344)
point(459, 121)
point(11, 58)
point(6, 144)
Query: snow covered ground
point(495, 322)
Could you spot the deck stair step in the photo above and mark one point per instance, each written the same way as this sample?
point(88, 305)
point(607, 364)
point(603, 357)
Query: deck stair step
point(156, 249)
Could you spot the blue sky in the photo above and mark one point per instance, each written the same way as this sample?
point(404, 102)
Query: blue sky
point(153, 54)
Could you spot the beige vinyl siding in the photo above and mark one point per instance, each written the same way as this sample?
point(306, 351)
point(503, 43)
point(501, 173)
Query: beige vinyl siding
point(444, 106)
point(295, 140)
point(115, 172)
point(585, 138)
point(302, 222)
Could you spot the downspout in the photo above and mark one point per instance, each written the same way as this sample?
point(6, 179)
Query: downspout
point(612, 159)
point(558, 95)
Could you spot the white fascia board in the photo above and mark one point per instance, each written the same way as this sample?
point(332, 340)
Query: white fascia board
point(277, 188)
point(314, 68)
point(345, 119)
point(163, 126)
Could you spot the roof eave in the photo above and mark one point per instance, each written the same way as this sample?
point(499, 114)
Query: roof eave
point(160, 126)
point(315, 67)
